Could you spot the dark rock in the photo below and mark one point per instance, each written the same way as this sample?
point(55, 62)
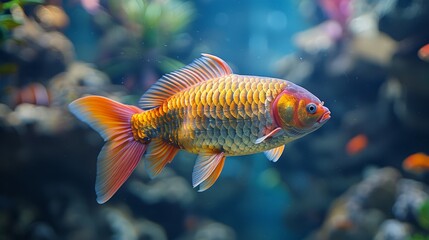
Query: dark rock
point(40, 55)
point(358, 213)
point(401, 19)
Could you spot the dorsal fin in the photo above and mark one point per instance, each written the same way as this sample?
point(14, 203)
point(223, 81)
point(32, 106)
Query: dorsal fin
point(202, 69)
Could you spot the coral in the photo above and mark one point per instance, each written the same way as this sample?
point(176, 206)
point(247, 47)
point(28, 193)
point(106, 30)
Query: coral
point(382, 206)
point(79, 79)
point(410, 196)
point(358, 213)
point(168, 187)
point(39, 54)
point(394, 230)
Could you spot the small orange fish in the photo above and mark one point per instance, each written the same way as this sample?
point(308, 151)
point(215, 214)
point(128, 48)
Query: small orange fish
point(416, 163)
point(356, 144)
point(423, 53)
point(202, 108)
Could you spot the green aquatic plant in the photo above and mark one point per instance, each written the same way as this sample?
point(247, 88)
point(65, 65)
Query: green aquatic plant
point(423, 221)
point(423, 215)
point(418, 237)
point(139, 35)
point(9, 21)
point(11, 16)
point(155, 21)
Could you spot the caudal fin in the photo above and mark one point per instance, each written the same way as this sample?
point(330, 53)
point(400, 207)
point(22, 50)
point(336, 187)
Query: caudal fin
point(121, 153)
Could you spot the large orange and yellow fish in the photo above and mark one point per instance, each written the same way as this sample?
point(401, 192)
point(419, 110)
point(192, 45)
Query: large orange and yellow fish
point(202, 108)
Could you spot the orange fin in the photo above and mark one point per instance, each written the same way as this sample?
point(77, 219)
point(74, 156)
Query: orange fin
point(206, 184)
point(158, 154)
point(207, 169)
point(202, 69)
point(121, 153)
point(274, 154)
point(271, 134)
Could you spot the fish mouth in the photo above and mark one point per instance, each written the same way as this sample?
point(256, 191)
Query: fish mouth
point(325, 117)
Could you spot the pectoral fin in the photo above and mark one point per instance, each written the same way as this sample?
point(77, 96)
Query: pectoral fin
point(274, 154)
point(270, 134)
point(207, 169)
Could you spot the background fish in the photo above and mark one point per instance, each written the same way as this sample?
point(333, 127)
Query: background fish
point(416, 163)
point(356, 144)
point(205, 109)
point(423, 53)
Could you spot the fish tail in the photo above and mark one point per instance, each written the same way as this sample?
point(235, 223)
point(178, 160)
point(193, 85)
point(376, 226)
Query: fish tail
point(121, 152)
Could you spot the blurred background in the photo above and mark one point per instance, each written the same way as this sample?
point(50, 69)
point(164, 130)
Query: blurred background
point(363, 175)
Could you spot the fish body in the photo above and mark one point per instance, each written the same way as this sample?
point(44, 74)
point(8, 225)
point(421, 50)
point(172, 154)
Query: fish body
point(226, 114)
point(202, 108)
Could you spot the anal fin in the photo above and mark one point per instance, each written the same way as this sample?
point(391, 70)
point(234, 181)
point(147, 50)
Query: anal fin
point(158, 154)
point(274, 154)
point(207, 170)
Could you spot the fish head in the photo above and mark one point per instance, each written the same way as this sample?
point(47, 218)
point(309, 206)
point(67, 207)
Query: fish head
point(298, 111)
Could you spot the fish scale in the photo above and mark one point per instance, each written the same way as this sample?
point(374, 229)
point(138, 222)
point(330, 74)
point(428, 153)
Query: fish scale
point(225, 114)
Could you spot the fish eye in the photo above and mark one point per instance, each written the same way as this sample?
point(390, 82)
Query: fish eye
point(311, 108)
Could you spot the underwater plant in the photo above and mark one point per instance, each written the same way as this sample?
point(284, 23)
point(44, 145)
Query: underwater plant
point(7, 20)
point(137, 36)
point(419, 237)
point(156, 22)
point(423, 215)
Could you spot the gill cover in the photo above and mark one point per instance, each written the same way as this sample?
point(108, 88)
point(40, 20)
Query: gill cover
point(297, 110)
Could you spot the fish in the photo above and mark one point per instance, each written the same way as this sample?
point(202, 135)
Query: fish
point(423, 53)
point(356, 144)
point(416, 163)
point(203, 108)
